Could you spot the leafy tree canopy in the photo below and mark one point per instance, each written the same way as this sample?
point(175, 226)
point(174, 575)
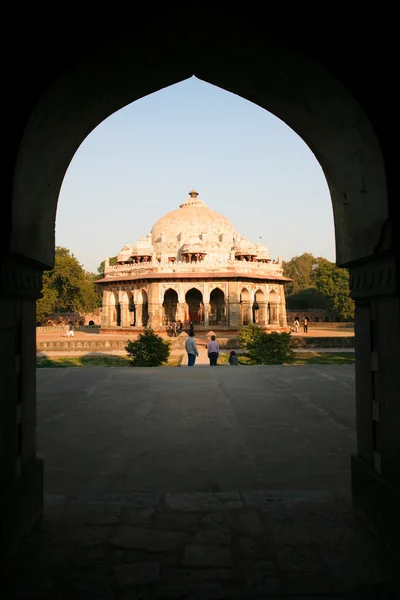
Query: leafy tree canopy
point(302, 270)
point(332, 282)
point(67, 287)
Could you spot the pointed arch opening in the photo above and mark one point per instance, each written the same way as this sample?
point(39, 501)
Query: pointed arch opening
point(217, 313)
point(194, 307)
point(170, 306)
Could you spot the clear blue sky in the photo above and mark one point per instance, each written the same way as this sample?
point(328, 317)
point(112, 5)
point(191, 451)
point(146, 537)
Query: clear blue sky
point(141, 162)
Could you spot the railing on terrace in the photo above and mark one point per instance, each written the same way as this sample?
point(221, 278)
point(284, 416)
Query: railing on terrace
point(182, 267)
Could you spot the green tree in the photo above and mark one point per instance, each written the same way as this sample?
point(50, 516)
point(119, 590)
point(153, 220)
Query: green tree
point(302, 269)
point(67, 287)
point(47, 304)
point(148, 350)
point(332, 282)
point(309, 298)
point(100, 268)
point(266, 348)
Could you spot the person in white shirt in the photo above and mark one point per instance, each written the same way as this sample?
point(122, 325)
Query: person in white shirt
point(213, 351)
point(191, 349)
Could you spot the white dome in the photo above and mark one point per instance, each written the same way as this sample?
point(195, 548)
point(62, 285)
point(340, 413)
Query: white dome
point(142, 247)
point(243, 246)
point(262, 251)
point(125, 253)
point(191, 219)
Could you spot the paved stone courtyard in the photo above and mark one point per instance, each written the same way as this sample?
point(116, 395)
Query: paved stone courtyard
point(203, 483)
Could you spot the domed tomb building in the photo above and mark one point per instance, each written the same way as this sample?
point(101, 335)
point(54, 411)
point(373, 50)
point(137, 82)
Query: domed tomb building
point(194, 266)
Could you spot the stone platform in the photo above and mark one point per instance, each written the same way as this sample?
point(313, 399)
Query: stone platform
point(199, 546)
point(55, 341)
point(202, 483)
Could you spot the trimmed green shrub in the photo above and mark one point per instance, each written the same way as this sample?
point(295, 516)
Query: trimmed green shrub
point(263, 348)
point(148, 350)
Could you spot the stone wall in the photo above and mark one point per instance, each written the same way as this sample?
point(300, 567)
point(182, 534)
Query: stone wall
point(77, 318)
point(316, 315)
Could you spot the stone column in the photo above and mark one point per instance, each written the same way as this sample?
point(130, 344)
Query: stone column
point(273, 313)
point(207, 305)
point(153, 307)
point(246, 313)
point(125, 314)
point(282, 307)
point(105, 313)
point(376, 466)
point(233, 305)
point(21, 471)
point(262, 314)
point(180, 312)
point(207, 309)
point(113, 315)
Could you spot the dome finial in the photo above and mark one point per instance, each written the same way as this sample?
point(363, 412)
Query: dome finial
point(193, 193)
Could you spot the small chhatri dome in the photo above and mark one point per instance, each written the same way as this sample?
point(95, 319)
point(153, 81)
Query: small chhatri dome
point(243, 246)
point(125, 253)
point(262, 251)
point(142, 247)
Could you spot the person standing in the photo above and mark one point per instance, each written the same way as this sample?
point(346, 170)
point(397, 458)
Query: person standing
point(305, 324)
point(213, 351)
point(296, 324)
point(191, 349)
point(180, 327)
point(173, 326)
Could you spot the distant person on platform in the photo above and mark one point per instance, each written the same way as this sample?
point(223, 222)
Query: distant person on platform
point(233, 359)
point(173, 327)
point(191, 328)
point(191, 349)
point(180, 327)
point(213, 351)
point(296, 324)
point(306, 321)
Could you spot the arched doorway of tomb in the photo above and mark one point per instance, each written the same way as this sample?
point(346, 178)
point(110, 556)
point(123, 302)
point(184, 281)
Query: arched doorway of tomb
point(217, 312)
point(259, 309)
point(195, 306)
point(245, 307)
point(273, 308)
point(170, 305)
point(142, 314)
point(276, 76)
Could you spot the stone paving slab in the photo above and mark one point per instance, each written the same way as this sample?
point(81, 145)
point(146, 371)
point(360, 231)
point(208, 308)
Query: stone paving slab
point(277, 547)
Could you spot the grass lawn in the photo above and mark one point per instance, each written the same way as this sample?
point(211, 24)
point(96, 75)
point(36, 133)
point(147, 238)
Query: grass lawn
point(304, 358)
point(94, 361)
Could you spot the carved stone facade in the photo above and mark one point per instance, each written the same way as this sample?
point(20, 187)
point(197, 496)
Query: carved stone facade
point(194, 267)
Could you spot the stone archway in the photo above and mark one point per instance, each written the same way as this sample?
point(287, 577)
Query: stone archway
point(195, 306)
point(170, 306)
point(67, 101)
point(217, 311)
